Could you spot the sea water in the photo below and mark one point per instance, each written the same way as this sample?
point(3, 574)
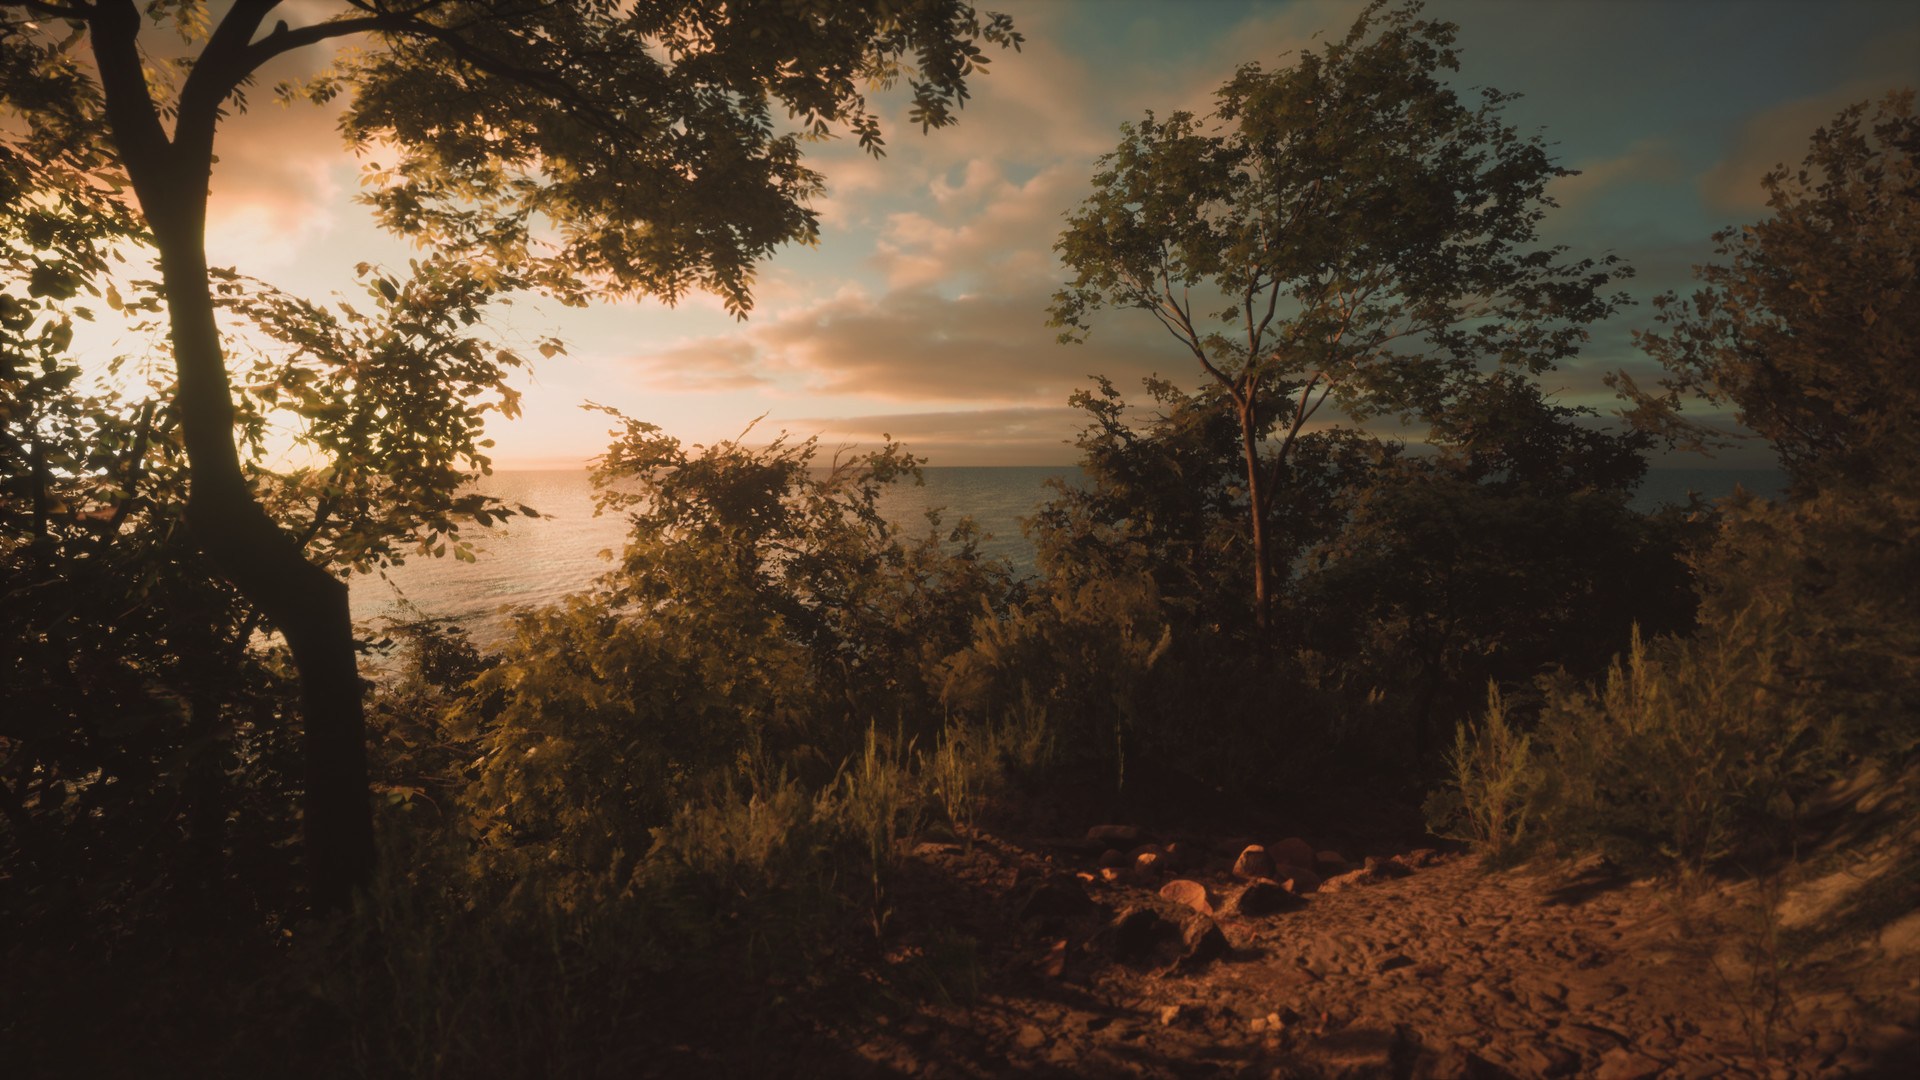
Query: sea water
point(532, 562)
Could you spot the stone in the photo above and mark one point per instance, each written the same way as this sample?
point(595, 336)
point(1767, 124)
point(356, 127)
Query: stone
point(1135, 931)
point(1146, 849)
point(1253, 863)
point(1389, 867)
point(1298, 879)
point(1202, 942)
point(1457, 1064)
point(1262, 897)
point(1623, 1064)
point(1181, 856)
point(1117, 875)
point(1544, 1059)
point(1030, 1038)
point(1113, 857)
point(1149, 864)
point(1292, 851)
point(1353, 879)
point(1330, 863)
point(1191, 893)
point(1118, 836)
point(1058, 896)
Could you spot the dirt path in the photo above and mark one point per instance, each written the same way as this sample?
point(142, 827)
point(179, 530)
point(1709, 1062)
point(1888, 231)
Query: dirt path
point(1447, 971)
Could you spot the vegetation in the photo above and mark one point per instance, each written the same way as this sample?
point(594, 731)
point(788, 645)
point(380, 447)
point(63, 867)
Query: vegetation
point(666, 822)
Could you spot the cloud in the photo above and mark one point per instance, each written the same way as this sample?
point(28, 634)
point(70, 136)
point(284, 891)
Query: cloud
point(1651, 160)
point(993, 228)
point(1777, 137)
point(914, 345)
point(1006, 436)
point(276, 185)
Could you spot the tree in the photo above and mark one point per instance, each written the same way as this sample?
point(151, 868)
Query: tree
point(641, 136)
point(1368, 235)
point(1510, 552)
point(1810, 332)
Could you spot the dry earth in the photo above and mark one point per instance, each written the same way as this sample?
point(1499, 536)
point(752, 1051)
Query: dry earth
point(1428, 966)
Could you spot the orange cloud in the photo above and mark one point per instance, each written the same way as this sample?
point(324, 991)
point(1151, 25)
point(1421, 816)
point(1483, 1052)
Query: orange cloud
point(1779, 136)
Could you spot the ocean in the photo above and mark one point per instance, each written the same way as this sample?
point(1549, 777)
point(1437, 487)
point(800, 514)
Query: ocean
point(534, 562)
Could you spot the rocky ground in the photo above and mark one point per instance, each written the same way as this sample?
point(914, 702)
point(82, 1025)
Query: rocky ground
point(1134, 954)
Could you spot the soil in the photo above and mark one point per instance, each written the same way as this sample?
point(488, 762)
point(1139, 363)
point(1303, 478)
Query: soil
point(1432, 966)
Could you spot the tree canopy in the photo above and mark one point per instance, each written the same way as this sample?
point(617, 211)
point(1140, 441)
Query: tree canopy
point(1367, 237)
point(584, 148)
point(1808, 332)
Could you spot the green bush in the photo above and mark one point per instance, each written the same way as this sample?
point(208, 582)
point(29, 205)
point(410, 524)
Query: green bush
point(1493, 781)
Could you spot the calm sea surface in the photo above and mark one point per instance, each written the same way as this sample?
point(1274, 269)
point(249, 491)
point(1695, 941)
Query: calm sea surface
point(535, 562)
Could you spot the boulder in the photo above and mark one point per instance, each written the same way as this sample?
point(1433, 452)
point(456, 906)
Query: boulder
point(1263, 898)
point(1148, 865)
point(1114, 836)
point(1254, 862)
point(1353, 879)
point(1135, 931)
point(1191, 893)
point(1297, 879)
point(1059, 896)
point(1292, 851)
point(1201, 943)
point(1330, 864)
point(1388, 867)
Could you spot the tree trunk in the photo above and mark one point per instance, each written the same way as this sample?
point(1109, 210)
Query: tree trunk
point(1257, 512)
point(304, 602)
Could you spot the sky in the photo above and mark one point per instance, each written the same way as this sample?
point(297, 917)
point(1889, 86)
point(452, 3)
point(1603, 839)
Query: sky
point(921, 312)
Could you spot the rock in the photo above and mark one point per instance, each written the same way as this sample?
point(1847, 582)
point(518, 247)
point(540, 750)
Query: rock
point(1457, 1064)
point(1544, 1059)
point(1149, 864)
point(1054, 964)
point(1353, 879)
point(1262, 897)
point(1330, 864)
point(1117, 875)
point(1292, 851)
point(1114, 836)
point(1114, 857)
point(1298, 879)
point(1059, 896)
point(1421, 858)
point(1146, 849)
point(1253, 863)
point(1169, 1014)
point(1135, 931)
point(1622, 1064)
point(1201, 942)
point(1389, 867)
point(1181, 856)
point(1030, 1038)
point(1191, 893)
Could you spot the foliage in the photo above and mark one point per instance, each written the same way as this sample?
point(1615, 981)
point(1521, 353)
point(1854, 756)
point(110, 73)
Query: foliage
point(1510, 552)
point(583, 149)
point(761, 612)
point(1368, 235)
point(1084, 657)
point(1487, 802)
point(1808, 331)
point(143, 765)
